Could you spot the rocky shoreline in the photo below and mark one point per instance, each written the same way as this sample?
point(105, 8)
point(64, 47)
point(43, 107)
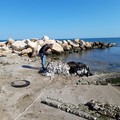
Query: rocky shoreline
point(19, 61)
point(30, 47)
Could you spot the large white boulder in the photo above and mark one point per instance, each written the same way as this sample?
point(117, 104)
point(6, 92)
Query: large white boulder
point(88, 45)
point(77, 41)
point(60, 42)
point(10, 41)
point(31, 44)
point(82, 43)
point(75, 45)
point(65, 42)
point(4, 48)
point(45, 38)
point(2, 44)
point(3, 53)
point(26, 51)
point(18, 45)
point(66, 46)
point(41, 42)
point(34, 39)
point(50, 41)
point(57, 48)
point(37, 48)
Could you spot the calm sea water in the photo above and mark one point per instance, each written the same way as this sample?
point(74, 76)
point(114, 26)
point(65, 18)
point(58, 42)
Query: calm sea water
point(98, 60)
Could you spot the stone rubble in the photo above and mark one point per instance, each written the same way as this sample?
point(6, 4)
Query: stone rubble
point(69, 108)
point(111, 111)
point(92, 110)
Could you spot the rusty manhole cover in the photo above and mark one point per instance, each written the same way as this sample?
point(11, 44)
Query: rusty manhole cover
point(20, 83)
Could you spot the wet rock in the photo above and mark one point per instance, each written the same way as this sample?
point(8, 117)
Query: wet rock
point(79, 69)
point(60, 68)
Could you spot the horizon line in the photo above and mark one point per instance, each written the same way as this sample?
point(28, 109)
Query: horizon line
point(65, 38)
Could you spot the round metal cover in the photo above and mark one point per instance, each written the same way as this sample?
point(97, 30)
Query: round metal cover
point(20, 83)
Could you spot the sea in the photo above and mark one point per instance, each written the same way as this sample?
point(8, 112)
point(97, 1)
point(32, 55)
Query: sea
point(98, 60)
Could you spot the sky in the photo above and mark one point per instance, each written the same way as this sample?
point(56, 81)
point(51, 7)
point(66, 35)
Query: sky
point(58, 19)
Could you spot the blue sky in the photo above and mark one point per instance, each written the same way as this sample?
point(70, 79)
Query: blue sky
point(59, 18)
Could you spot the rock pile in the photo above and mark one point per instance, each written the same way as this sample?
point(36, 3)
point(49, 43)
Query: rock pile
point(69, 108)
point(111, 111)
point(92, 110)
point(79, 69)
point(58, 67)
point(30, 47)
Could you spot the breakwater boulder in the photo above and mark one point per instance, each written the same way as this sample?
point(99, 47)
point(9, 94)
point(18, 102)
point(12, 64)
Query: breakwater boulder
point(64, 46)
point(18, 45)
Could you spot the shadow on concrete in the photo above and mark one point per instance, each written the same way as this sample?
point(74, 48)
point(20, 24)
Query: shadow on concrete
point(30, 67)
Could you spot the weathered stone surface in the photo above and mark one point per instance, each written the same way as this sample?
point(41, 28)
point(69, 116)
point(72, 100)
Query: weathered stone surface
point(111, 111)
point(10, 41)
point(69, 108)
point(60, 42)
point(31, 44)
point(66, 46)
point(2, 44)
point(57, 48)
point(18, 45)
point(77, 41)
point(37, 48)
point(3, 54)
point(79, 69)
point(82, 42)
point(50, 41)
point(34, 39)
point(45, 38)
point(41, 42)
point(58, 67)
point(72, 44)
point(26, 51)
point(4, 48)
point(88, 45)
